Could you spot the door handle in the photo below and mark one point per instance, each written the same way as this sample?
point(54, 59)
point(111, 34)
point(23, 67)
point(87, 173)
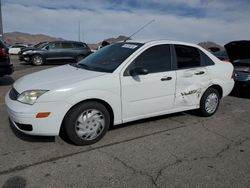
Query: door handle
point(166, 78)
point(199, 73)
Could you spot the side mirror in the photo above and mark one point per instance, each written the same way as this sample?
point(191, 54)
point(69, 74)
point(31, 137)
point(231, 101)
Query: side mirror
point(138, 71)
point(46, 48)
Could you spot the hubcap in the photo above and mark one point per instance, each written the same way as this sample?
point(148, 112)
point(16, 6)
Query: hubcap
point(38, 60)
point(211, 103)
point(90, 124)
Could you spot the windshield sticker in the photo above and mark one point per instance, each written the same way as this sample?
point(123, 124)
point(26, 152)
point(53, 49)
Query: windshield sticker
point(131, 46)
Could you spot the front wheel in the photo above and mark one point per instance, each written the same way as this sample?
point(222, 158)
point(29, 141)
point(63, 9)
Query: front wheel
point(37, 60)
point(87, 123)
point(209, 102)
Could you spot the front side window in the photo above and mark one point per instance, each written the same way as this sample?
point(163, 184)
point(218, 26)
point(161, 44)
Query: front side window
point(54, 45)
point(187, 56)
point(107, 59)
point(155, 59)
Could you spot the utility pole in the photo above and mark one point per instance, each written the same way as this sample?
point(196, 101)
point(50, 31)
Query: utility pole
point(79, 31)
point(1, 22)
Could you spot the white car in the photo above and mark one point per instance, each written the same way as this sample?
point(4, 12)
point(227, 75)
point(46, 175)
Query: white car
point(119, 83)
point(15, 49)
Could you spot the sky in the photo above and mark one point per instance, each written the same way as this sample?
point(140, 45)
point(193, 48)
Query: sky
point(194, 21)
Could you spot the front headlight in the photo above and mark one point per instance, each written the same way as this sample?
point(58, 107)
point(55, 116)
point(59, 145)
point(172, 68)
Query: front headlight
point(30, 97)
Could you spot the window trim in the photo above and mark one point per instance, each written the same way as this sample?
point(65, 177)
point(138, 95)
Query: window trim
point(125, 72)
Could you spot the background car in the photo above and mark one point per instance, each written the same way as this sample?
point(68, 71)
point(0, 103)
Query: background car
point(6, 67)
point(239, 55)
point(15, 49)
point(222, 55)
point(57, 50)
point(34, 47)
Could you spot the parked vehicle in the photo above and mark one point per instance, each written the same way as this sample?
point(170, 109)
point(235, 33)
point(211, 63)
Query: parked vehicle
point(222, 55)
point(239, 55)
point(39, 45)
point(120, 83)
point(6, 67)
point(15, 49)
point(56, 50)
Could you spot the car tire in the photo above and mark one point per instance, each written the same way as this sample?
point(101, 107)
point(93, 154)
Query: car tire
point(37, 60)
point(86, 123)
point(209, 102)
point(79, 58)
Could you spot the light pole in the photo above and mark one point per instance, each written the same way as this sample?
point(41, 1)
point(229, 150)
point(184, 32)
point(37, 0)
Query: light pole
point(79, 31)
point(1, 23)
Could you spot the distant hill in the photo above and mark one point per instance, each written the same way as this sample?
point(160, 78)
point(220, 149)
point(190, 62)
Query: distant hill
point(207, 45)
point(26, 38)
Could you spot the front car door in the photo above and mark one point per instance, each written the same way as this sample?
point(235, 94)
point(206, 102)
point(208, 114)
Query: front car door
point(153, 93)
point(53, 51)
point(192, 76)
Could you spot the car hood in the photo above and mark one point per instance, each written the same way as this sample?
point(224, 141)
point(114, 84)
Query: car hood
point(54, 78)
point(238, 50)
point(27, 49)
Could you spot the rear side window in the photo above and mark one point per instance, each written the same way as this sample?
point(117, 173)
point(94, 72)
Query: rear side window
point(79, 45)
point(187, 57)
point(66, 45)
point(155, 59)
point(206, 61)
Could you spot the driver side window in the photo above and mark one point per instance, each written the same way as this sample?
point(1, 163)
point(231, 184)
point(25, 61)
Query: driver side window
point(54, 45)
point(155, 59)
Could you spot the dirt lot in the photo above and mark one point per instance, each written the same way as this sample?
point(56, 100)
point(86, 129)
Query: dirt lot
point(177, 150)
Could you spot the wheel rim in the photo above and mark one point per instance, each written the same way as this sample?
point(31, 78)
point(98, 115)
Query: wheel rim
point(38, 60)
point(90, 124)
point(211, 103)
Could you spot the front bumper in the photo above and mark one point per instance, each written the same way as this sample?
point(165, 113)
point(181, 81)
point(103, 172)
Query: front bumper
point(23, 115)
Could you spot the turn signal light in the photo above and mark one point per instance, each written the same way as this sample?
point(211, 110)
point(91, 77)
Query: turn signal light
point(42, 114)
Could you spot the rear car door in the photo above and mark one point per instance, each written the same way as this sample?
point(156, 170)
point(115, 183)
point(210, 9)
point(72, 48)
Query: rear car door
point(152, 93)
point(192, 76)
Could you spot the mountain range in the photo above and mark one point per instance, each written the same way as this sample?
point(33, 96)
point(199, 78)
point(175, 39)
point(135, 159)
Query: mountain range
point(26, 38)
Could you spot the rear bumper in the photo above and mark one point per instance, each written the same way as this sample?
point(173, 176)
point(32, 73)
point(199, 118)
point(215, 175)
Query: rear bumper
point(6, 70)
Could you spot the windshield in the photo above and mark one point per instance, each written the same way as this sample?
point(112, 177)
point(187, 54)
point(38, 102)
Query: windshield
point(41, 45)
point(108, 58)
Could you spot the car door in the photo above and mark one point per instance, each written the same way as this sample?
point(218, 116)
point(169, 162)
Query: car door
point(192, 76)
point(152, 93)
point(53, 51)
point(68, 50)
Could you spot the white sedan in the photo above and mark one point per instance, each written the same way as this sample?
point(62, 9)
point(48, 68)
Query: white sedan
point(119, 83)
point(15, 49)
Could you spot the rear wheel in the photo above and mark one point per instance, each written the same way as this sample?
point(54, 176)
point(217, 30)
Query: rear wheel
point(87, 123)
point(209, 102)
point(37, 60)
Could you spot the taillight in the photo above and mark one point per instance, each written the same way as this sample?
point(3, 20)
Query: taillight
point(89, 50)
point(3, 52)
point(226, 59)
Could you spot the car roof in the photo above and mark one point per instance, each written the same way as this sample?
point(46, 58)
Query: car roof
point(163, 41)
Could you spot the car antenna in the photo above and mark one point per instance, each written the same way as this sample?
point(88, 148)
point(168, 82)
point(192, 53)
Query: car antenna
point(139, 30)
